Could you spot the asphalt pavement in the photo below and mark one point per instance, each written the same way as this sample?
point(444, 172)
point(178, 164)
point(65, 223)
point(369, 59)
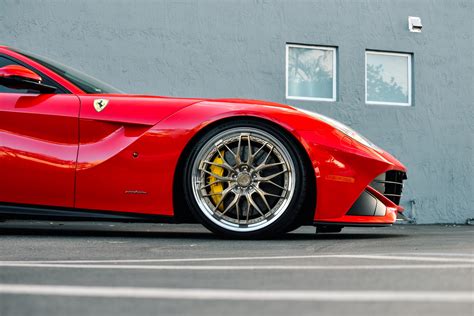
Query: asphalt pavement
point(77, 268)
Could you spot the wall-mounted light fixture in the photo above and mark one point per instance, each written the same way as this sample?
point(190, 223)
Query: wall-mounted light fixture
point(414, 24)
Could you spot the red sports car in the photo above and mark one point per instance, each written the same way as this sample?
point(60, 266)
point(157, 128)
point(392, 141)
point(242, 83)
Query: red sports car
point(72, 147)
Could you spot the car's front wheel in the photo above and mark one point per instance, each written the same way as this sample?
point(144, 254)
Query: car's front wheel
point(245, 179)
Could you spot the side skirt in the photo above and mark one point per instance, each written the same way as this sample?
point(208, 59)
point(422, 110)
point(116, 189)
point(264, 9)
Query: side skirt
point(26, 212)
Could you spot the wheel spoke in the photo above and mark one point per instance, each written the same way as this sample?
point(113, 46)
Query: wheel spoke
point(238, 155)
point(223, 158)
point(266, 158)
point(249, 151)
point(255, 206)
point(212, 194)
point(265, 166)
point(231, 204)
point(223, 196)
point(232, 153)
point(223, 165)
point(267, 178)
point(277, 185)
point(229, 150)
point(252, 157)
point(237, 209)
point(262, 195)
point(212, 183)
point(216, 175)
point(270, 194)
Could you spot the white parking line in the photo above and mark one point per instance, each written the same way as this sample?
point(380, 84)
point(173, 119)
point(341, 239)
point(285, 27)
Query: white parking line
point(176, 259)
point(441, 254)
point(407, 258)
point(239, 267)
point(349, 256)
point(238, 295)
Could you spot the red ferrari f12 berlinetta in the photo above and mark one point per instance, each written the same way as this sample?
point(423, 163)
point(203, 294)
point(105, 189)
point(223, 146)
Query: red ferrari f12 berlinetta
point(72, 147)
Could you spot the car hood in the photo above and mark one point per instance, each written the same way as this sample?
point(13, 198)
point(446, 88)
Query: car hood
point(219, 102)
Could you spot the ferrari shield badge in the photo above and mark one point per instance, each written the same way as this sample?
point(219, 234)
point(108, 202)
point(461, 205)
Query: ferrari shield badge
point(100, 104)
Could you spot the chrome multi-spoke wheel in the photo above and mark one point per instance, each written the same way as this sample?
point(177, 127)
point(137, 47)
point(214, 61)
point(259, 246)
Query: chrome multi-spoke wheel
point(243, 179)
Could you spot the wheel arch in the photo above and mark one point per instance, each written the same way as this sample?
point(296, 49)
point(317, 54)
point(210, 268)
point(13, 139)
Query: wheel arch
point(184, 216)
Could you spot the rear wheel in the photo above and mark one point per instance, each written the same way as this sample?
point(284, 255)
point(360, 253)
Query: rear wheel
point(245, 179)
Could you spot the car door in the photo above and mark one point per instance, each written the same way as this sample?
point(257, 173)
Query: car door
point(38, 144)
point(119, 164)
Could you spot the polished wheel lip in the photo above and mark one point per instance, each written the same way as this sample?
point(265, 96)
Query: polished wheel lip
point(211, 147)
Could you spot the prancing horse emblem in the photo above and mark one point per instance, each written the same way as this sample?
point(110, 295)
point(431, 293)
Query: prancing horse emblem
point(100, 104)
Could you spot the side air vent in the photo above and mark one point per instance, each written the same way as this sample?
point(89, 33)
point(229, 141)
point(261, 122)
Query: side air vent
point(390, 184)
point(367, 205)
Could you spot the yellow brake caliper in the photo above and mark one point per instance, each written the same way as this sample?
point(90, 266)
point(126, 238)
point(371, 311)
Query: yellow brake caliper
point(219, 186)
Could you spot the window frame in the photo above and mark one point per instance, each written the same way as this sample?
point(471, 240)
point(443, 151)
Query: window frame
point(334, 66)
point(409, 83)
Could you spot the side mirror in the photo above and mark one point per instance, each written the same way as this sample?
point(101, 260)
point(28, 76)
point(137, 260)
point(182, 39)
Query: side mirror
point(19, 72)
point(19, 77)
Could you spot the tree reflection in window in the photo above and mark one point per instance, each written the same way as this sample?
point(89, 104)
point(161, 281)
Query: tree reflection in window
point(387, 78)
point(310, 72)
point(378, 89)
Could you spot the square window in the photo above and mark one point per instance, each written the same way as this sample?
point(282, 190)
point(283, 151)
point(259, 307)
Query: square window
point(387, 78)
point(310, 73)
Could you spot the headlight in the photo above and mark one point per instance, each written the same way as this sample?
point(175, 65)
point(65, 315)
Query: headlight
point(343, 128)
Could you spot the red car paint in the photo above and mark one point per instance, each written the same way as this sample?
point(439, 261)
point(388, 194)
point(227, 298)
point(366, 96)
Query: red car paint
point(57, 150)
point(15, 71)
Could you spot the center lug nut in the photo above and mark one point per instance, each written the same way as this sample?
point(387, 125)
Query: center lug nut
point(244, 179)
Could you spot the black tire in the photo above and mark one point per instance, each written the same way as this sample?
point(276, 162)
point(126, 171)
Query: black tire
point(289, 214)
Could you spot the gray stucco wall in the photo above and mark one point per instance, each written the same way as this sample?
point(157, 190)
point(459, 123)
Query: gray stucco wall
point(237, 49)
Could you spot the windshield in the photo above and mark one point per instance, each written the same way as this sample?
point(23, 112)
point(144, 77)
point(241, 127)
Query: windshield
point(84, 82)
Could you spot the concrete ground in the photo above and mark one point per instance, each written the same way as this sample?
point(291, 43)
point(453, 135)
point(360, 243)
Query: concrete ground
point(143, 269)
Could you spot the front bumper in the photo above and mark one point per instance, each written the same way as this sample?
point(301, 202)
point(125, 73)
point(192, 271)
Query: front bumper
point(355, 185)
point(378, 204)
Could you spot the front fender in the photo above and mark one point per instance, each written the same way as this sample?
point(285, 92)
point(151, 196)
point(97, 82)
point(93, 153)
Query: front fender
point(342, 167)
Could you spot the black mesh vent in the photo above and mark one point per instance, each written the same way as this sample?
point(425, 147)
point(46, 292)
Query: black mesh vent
point(390, 184)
